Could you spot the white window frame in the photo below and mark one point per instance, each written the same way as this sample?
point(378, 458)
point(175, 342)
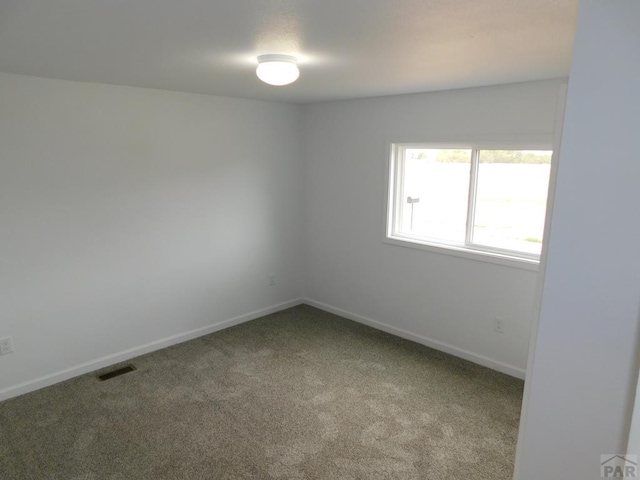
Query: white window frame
point(468, 250)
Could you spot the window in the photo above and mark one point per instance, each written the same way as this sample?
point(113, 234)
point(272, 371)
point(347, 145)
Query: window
point(488, 199)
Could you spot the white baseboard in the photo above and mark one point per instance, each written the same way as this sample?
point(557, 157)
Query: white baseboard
point(429, 342)
point(105, 361)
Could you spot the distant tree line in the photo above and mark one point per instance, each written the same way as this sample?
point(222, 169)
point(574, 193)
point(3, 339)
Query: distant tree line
point(491, 156)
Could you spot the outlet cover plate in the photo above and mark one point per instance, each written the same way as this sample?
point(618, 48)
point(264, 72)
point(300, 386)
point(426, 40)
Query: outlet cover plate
point(6, 345)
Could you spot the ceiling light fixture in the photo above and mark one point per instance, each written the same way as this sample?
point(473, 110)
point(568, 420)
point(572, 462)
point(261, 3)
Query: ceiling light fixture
point(277, 69)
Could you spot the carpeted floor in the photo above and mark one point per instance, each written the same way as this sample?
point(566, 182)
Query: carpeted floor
point(300, 394)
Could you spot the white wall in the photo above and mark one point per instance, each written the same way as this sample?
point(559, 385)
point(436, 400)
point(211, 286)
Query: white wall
point(131, 215)
point(633, 446)
point(584, 369)
point(134, 218)
point(438, 299)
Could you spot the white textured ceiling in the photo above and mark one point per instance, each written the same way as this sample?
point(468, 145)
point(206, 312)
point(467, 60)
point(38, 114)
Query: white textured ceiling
point(347, 48)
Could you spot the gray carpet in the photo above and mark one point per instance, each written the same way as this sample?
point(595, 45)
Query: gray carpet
point(300, 394)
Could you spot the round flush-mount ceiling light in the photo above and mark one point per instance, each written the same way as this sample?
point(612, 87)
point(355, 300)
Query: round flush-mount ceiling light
point(277, 69)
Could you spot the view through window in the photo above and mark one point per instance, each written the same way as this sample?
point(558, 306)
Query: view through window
point(481, 199)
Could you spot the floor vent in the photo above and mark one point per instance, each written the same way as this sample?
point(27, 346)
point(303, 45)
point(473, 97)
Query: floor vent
point(116, 373)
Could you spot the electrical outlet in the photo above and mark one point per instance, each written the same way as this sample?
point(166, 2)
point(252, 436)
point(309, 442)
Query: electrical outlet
point(498, 325)
point(6, 345)
point(272, 279)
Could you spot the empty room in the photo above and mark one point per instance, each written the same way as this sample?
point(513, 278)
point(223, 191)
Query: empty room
point(357, 239)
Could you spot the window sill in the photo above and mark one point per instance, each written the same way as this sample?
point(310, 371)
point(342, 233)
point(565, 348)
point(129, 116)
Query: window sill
point(468, 253)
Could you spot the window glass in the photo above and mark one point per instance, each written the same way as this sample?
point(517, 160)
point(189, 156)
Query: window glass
point(436, 185)
point(477, 199)
point(511, 199)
